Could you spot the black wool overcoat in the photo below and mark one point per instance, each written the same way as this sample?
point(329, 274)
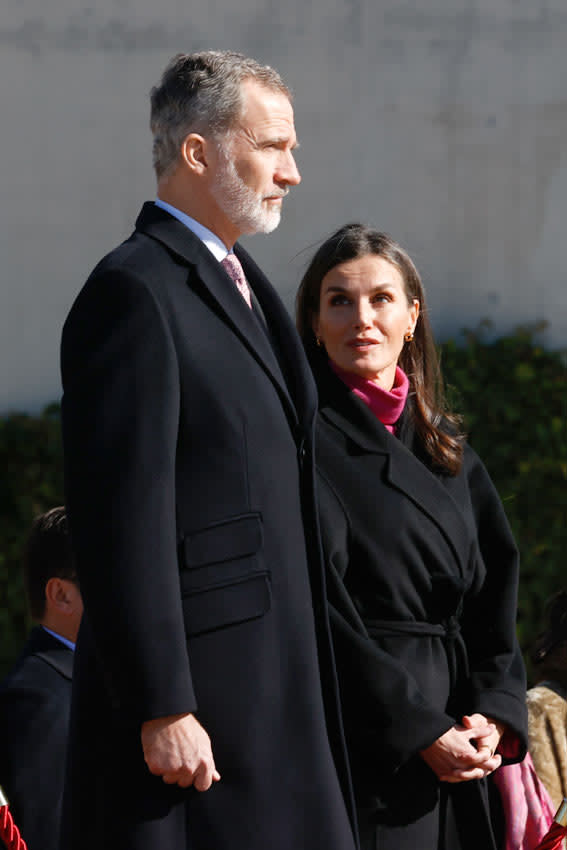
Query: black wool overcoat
point(35, 699)
point(189, 485)
point(422, 580)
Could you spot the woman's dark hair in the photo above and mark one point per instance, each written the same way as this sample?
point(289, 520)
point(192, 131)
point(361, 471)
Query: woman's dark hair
point(436, 428)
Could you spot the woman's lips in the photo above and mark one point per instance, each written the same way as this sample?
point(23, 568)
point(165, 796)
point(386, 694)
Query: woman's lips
point(362, 343)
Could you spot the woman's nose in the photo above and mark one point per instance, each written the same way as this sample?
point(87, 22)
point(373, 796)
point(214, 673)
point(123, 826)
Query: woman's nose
point(363, 317)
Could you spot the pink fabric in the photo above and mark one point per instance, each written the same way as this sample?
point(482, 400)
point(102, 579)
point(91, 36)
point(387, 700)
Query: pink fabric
point(528, 809)
point(387, 406)
point(233, 268)
point(509, 745)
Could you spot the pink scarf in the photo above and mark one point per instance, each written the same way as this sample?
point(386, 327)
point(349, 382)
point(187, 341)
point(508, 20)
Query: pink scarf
point(528, 810)
point(387, 406)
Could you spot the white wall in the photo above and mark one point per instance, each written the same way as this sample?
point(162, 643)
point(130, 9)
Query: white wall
point(441, 121)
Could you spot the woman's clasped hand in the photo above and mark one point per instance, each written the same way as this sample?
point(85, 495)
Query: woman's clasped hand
point(466, 751)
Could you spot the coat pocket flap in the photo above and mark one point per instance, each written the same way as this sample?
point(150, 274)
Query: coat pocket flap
point(219, 607)
point(237, 537)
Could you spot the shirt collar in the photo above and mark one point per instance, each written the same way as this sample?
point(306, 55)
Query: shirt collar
point(215, 245)
point(68, 643)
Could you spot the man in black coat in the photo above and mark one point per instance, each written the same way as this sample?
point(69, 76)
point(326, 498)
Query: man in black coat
point(35, 697)
point(205, 712)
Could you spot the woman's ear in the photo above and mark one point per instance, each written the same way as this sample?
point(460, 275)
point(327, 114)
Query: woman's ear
point(414, 314)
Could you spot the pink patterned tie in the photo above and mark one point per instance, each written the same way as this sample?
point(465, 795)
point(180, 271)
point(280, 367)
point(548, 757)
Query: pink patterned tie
point(233, 268)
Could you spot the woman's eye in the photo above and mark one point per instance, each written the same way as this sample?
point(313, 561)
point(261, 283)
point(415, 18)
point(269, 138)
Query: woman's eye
point(381, 298)
point(338, 300)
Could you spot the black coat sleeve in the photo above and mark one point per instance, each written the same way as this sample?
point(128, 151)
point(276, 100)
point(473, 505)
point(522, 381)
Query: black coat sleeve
point(120, 416)
point(497, 672)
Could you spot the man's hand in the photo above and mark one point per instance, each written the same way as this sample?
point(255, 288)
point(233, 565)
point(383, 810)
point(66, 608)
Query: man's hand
point(178, 749)
point(456, 757)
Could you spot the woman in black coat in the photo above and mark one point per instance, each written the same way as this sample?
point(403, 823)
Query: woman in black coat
point(422, 567)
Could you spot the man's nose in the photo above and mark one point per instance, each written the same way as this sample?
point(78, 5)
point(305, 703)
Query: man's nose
point(288, 171)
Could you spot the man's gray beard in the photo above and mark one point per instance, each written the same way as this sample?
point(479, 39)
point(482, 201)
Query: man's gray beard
point(241, 204)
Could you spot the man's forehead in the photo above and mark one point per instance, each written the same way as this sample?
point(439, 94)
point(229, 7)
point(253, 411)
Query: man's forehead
point(263, 104)
point(250, 87)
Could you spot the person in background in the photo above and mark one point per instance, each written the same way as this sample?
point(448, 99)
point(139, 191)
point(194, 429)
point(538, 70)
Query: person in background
point(547, 701)
point(422, 570)
point(35, 697)
point(205, 712)
point(532, 790)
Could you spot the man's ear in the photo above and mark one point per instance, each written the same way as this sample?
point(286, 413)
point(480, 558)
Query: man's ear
point(194, 153)
point(57, 594)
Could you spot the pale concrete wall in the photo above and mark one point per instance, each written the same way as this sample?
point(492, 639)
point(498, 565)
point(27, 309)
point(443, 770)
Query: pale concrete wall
point(441, 121)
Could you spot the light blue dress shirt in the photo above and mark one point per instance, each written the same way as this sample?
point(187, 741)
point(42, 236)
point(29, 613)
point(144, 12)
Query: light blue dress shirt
point(215, 245)
point(68, 643)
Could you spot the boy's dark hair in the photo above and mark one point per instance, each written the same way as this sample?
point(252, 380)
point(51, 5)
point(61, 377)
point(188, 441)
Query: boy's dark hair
point(47, 555)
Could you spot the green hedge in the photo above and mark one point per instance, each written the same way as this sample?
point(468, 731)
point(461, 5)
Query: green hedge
point(32, 482)
point(513, 395)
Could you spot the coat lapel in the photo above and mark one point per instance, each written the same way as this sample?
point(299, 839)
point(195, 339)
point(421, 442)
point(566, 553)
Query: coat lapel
point(52, 651)
point(219, 289)
point(404, 470)
point(294, 362)
point(412, 477)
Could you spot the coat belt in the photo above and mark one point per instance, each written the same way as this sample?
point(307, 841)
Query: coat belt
point(449, 630)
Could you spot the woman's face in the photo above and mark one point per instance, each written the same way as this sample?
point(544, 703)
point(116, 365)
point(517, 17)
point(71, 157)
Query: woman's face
point(363, 316)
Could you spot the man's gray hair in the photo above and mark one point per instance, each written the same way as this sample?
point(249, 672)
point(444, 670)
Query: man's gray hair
point(201, 93)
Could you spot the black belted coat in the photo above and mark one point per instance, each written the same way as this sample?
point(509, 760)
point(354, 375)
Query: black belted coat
point(422, 580)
